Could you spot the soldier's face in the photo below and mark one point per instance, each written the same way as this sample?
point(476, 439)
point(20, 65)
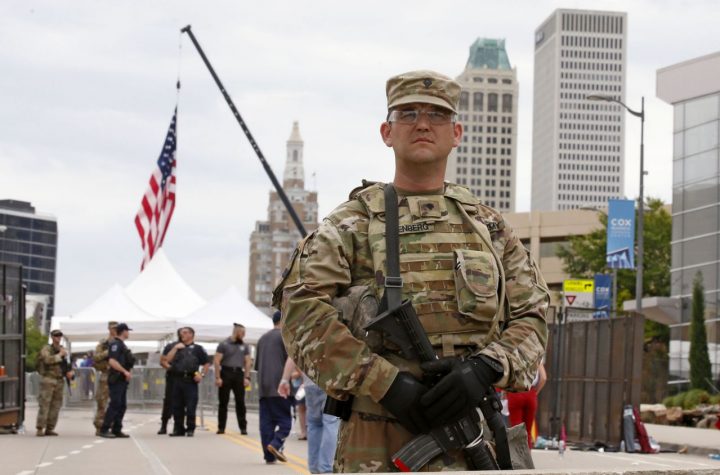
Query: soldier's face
point(421, 142)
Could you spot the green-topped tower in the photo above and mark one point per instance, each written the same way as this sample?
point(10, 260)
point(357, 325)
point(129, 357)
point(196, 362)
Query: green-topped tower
point(485, 161)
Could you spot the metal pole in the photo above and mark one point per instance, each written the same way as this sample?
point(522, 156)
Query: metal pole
point(641, 215)
point(641, 197)
point(255, 146)
point(614, 293)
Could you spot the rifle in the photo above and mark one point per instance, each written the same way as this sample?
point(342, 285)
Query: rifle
point(402, 327)
point(65, 368)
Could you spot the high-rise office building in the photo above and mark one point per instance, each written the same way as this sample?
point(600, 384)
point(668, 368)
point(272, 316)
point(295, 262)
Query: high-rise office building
point(693, 90)
point(274, 239)
point(578, 144)
point(485, 160)
point(30, 238)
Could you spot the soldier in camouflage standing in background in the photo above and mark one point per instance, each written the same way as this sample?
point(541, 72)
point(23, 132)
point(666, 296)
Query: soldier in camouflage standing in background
point(53, 368)
point(100, 363)
point(477, 293)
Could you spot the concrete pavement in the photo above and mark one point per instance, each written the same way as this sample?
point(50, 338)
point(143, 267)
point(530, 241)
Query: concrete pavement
point(695, 441)
point(78, 452)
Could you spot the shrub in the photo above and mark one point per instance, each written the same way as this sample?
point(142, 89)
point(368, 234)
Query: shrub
point(695, 397)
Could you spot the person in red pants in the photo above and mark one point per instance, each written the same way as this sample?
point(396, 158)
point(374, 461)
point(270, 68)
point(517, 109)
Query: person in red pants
point(523, 406)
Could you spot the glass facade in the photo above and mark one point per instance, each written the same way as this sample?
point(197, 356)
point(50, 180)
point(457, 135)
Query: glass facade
point(696, 224)
point(31, 240)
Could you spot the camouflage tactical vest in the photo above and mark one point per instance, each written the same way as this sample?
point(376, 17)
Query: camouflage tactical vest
point(450, 272)
point(44, 369)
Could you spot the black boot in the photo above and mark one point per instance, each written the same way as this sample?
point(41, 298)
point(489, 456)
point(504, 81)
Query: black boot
point(163, 428)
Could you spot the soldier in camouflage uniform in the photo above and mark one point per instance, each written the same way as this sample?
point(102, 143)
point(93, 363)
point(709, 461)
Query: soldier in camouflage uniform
point(100, 363)
point(475, 289)
point(50, 367)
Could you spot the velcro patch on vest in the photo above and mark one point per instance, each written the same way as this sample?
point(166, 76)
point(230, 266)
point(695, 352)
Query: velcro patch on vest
point(415, 228)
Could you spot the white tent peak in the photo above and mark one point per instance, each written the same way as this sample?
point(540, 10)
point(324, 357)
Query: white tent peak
point(90, 324)
point(214, 321)
point(113, 305)
point(161, 291)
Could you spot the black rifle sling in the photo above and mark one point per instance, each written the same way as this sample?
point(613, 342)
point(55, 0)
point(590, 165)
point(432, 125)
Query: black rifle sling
point(393, 281)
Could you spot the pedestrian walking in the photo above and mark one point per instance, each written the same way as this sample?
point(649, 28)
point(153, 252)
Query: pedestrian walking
point(275, 418)
point(102, 368)
point(322, 430)
point(121, 361)
point(54, 369)
point(189, 364)
point(232, 363)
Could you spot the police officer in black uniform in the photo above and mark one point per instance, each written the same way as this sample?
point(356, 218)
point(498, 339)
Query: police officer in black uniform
point(169, 386)
point(121, 361)
point(185, 359)
point(232, 364)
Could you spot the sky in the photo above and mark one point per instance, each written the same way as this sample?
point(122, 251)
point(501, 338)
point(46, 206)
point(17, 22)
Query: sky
point(87, 90)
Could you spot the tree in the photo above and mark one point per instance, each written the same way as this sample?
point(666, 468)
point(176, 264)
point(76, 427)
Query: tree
point(700, 370)
point(34, 341)
point(584, 256)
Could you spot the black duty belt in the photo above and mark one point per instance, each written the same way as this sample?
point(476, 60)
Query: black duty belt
point(182, 374)
point(233, 369)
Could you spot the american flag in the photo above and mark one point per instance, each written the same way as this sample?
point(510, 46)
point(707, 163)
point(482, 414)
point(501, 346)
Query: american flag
point(157, 205)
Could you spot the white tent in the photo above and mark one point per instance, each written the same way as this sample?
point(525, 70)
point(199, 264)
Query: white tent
point(113, 305)
point(214, 321)
point(160, 291)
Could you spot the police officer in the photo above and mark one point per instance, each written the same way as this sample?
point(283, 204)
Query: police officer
point(53, 367)
point(232, 363)
point(100, 363)
point(169, 386)
point(185, 359)
point(121, 361)
point(477, 293)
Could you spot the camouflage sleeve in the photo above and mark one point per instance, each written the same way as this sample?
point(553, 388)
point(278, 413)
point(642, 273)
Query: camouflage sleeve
point(322, 346)
point(101, 351)
point(522, 342)
point(48, 358)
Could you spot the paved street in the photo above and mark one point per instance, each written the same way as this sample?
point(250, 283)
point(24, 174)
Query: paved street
point(78, 452)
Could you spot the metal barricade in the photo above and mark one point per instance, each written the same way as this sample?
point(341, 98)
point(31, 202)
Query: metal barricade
point(145, 391)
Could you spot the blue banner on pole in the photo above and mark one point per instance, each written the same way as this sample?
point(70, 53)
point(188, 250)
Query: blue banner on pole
point(603, 296)
point(620, 252)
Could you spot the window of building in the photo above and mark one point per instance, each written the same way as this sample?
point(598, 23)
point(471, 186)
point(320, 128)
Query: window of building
point(492, 102)
point(477, 101)
point(507, 102)
point(464, 99)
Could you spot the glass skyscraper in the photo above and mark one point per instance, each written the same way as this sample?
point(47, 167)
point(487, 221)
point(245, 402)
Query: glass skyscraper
point(30, 239)
point(692, 88)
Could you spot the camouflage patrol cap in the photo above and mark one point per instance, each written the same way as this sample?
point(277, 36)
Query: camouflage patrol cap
point(112, 325)
point(427, 87)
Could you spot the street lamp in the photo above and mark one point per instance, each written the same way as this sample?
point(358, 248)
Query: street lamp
point(641, 198)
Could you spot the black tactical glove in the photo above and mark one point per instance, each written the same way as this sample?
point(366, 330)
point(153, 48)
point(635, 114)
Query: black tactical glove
point(403, 402)
point(461, 388)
